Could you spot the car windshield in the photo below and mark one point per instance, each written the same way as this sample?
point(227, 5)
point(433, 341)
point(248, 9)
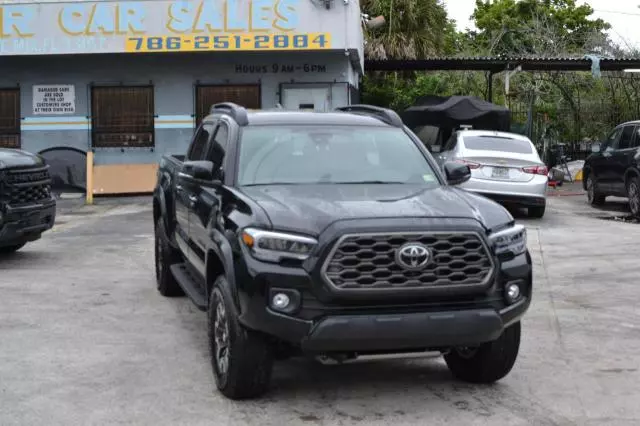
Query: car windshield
point(303, 154)
point(495, 143)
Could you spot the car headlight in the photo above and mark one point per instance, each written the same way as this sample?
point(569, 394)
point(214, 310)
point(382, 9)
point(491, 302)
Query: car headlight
point(272, 246)
point(512, 240)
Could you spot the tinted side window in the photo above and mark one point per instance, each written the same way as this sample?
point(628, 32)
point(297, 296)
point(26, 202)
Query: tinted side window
point(612, 139)
point(636, 138)
point(626, 138)
point(198, 147)
point(219, 145)
point(451, 143)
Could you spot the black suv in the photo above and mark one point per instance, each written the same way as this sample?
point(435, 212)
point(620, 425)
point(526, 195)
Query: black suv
point(613, 168)
point(335, 235)
point(27, 206)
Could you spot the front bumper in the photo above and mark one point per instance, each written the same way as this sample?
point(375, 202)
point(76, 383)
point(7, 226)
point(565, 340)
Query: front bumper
point(25, 224)
point(361, 333)
point(323, 323)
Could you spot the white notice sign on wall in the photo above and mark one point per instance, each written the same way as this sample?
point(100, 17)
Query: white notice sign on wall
point(54, 99)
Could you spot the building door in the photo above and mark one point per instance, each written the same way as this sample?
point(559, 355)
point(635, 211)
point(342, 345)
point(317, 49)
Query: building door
point(246, 95)
point(10, 118)
point(313, 97)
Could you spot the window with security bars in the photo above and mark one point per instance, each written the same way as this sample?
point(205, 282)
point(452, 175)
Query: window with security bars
point(122, 117)
point(10, 118)
point(246, 95)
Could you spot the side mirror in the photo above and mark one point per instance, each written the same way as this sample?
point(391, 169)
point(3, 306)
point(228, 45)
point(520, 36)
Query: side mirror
point(198, 170)
point(595, 148)
point(456, 173)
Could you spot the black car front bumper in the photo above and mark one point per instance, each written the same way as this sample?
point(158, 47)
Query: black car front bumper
point(324, 326)
point(25, 224)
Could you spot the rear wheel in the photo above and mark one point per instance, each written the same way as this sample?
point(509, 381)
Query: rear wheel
point(633, 192)
point(488, 362)
point(537, 212)
point(11, 249)
point(594, 197)
point(165, 256)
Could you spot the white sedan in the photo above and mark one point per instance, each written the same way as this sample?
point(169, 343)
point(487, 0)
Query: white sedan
point(504, 166)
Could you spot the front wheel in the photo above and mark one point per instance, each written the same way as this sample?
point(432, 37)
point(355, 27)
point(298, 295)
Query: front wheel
point(488, 362)
point(633, 192)
point(242, 360)
point(594, 197)
point(4, 251)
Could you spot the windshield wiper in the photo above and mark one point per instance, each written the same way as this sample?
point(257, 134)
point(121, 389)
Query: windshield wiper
point(273, 183)
point(368, 182)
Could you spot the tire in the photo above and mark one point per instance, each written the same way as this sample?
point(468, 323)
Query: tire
point(5, 251)
point(489, 362)
point(537, 212)
point(165, 256)
point(633, 192)
point(594, 197)
point(242, 360)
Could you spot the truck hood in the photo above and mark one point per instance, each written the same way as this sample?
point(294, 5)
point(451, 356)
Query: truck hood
point(10, 158)
point(311, 208)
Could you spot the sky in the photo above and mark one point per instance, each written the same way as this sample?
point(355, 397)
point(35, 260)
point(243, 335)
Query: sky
point(623, 15)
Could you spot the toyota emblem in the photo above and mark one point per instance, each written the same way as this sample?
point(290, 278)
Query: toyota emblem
point(413, 256)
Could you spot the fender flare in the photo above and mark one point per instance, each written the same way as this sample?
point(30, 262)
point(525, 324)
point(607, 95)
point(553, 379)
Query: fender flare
point(220, 247)
point(627, 175)
point(159, 196)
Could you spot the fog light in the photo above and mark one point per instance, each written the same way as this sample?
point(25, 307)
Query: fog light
point(280, 301)
point(513, 292)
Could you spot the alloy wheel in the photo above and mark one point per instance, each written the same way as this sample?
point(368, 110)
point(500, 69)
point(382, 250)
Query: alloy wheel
point(221, 337)
point(634, 198)
point(590, 189)
point(159, 257)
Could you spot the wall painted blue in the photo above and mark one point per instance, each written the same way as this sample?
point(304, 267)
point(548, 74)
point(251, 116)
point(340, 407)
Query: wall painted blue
point(173, 76)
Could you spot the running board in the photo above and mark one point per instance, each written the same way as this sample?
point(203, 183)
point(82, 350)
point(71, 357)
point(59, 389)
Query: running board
point(189, 285)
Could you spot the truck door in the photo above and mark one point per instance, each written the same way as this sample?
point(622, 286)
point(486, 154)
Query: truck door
point(207, 207)
point(185, 187)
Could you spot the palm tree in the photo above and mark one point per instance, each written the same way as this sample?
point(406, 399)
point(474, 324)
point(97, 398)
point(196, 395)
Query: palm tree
point(415, 29)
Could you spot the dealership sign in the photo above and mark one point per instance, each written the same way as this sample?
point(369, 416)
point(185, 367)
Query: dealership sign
point(162, 26)
point(54, 99)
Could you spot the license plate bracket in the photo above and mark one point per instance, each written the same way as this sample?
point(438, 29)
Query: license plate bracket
point(500, 172)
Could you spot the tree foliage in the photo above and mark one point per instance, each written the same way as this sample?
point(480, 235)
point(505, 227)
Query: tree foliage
point(575, 105)
point(415, 29)
point(532, 27)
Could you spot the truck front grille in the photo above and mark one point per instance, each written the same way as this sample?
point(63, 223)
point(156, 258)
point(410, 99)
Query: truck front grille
point(370, 262)
point(27, 186)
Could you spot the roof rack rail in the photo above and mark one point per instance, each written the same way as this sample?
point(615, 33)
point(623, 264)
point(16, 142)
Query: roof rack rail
point(235, 111)
point(384, 114)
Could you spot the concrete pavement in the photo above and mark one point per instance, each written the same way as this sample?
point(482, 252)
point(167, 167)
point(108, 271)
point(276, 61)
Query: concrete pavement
point(85, 339)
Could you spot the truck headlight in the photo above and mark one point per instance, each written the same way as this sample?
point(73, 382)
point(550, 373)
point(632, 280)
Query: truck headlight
point(512, 240)
point(272, 246)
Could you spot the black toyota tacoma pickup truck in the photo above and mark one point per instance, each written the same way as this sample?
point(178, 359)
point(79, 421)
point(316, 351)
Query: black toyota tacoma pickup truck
point(335, 235)
point(27, 206)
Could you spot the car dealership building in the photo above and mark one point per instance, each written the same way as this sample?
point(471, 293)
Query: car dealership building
point(130, 80)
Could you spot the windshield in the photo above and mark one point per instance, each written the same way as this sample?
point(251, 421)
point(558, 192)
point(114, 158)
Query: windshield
point(494, 143)
point(301, 154)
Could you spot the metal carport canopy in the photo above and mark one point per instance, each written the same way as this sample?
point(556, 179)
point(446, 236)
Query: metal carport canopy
point(500, 63)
